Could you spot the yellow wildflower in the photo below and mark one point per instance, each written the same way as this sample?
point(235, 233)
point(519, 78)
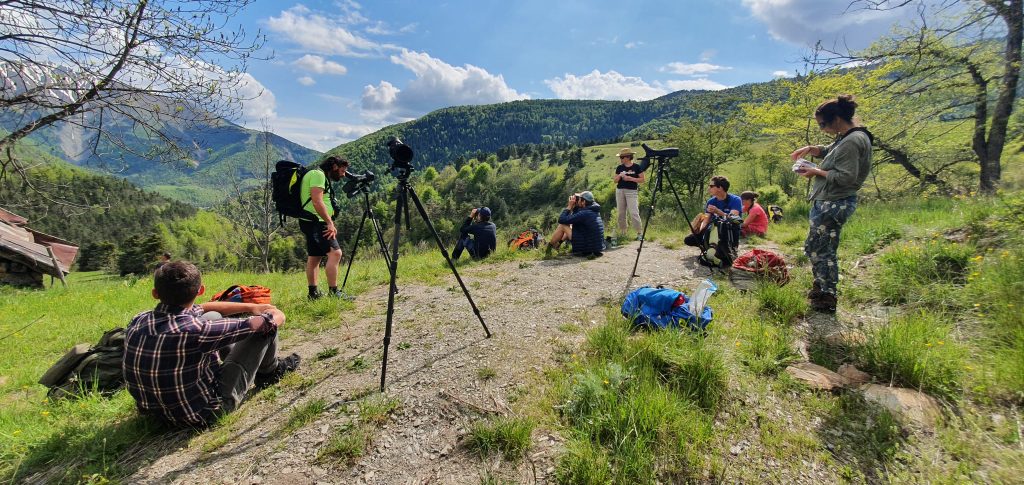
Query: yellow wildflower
point(16, 432)
point(44, 413)
point(929, 344)
point(941, 342)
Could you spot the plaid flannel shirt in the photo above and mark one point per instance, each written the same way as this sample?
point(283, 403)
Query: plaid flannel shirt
point(171, 365)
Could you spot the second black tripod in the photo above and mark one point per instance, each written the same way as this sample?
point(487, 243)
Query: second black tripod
point(402, 156)
point(367, 214)
point(660, 159)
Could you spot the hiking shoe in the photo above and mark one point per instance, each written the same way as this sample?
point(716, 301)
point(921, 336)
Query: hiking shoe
point(284, 366)
point(315, 295)
point(815, 290)
point(824, 302)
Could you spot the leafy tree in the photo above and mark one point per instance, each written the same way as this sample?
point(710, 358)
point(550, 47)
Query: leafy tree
point(704, 146)
point(139, 254)
point(104, 65)
point(977, 49)
point(96, 256)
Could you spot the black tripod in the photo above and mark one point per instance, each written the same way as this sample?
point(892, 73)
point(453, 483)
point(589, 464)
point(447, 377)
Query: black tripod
point(660, 159)
point(402, 155)
point(367, 214)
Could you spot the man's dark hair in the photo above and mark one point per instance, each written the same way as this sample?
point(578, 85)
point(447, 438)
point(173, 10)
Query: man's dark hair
point(177, 283)
point(167, 255)
point(720, 181)
point(331, 161)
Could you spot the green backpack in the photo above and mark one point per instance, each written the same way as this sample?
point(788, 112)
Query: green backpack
point(87, 368)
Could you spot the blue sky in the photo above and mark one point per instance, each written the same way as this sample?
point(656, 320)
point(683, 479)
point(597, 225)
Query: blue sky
point(341, 69)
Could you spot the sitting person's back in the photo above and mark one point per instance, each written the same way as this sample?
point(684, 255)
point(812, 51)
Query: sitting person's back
point(171, 362)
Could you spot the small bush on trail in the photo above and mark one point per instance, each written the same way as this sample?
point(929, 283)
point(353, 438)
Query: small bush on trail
point(916, 351)
point(764, 348)
point(348, 443)
point(305, 414)
point(784, 304)
point(506, 435)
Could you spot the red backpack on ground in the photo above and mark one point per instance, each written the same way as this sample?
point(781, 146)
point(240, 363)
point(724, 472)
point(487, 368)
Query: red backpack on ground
point(759, 264)
point(244, 294)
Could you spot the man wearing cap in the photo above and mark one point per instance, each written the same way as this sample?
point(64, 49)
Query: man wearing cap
point(628, 176)
point(478, 235)
point(580, 222)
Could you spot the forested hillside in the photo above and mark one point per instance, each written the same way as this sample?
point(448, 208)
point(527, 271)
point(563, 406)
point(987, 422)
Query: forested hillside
point(445, 135)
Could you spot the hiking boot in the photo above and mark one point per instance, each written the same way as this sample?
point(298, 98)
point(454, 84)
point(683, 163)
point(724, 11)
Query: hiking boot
point(824, 302)
point(316, 295)
point(815, 290)
point(284, 366)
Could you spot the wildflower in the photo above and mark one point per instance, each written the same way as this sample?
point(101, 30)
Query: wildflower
point(929, 344)
point(941, 342)
point(981, 314)
point(606, 381)
point(737, 343)
point(976, 305)
point(968, 367)
point(44, 413)
point(16, 432)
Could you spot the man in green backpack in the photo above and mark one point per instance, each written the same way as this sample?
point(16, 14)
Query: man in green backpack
point(321, 235)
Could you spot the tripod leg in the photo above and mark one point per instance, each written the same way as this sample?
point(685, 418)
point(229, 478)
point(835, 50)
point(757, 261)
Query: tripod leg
point(647, 222)
point(444, 252)
point(355, 247)
point(679, 201)
point(401, 202)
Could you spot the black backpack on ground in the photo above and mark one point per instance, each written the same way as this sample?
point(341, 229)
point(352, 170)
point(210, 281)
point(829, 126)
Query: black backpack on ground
point(286, 190)
point(87, 368)
point(719, 245)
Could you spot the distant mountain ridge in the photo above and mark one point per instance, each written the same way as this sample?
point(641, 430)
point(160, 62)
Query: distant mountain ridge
point(441, 136)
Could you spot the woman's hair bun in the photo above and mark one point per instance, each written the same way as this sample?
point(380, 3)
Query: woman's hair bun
point(846, 100)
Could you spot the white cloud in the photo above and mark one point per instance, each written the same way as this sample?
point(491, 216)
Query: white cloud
point(633, 44)
point(697, 69)
point(306, 81)
point(437, 84)
point(259, 102)
point(319, 65)
point(691, 84)
point(834, 22)
point(708, 54)
point(319, 135)
point(321, 34)
point(597, 85)
point(780, 73)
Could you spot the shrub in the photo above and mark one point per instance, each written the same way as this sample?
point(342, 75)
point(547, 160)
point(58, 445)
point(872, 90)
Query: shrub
point(784, 304)
point(772, 195)
point(348, 443)
point(764, 348)
point(916, 351)
point(924, 271)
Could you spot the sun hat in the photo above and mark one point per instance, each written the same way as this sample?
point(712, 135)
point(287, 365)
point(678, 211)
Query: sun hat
point(626, 152)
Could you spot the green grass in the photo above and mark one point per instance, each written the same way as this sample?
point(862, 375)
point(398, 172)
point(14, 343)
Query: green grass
point(509, 436)
point(377, 410)
point(304, 414)
point(782, 304)
point(486, 373)
point(924, 273)
point(916, 350)
point(327, 353)
point(764, 348)
point(346, 445)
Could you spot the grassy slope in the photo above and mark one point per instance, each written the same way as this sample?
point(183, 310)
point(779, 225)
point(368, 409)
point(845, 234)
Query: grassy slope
point(750, 338)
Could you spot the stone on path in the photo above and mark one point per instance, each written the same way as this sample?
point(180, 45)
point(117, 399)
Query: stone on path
point(855, 375)
point(909, 404)
point(816, 376)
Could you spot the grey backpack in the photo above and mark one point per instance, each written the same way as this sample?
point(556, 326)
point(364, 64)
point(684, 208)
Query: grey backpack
point(87, 368)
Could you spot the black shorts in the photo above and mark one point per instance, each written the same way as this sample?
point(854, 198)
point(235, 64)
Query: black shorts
point(316, 243)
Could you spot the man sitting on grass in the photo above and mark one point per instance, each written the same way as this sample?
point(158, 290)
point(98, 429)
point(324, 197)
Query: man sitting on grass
point(581, 224)
point(172, 356)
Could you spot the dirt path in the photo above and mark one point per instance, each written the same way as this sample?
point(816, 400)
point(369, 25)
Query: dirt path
point(536, 311)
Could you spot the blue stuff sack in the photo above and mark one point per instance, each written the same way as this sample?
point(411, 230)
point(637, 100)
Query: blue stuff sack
point(656, 307)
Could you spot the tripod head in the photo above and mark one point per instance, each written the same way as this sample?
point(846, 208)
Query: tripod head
point(401, 159)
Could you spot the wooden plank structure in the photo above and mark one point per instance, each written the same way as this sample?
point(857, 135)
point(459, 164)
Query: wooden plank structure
point(26, 254)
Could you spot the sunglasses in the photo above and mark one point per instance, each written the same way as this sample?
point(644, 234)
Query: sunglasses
point(822, 124)
point(711, 186)
point(624, 156)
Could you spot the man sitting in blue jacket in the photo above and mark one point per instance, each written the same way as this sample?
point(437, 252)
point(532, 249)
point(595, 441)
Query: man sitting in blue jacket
point(478, 235)
point(580, 222)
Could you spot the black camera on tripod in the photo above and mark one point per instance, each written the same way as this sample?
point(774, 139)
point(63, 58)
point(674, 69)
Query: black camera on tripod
point(401, 158)
point(357, 184)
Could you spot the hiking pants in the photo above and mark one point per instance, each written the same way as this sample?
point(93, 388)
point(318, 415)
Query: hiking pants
point(627, 201)
point(822, 245)
point(255, 354)
point(468, 244)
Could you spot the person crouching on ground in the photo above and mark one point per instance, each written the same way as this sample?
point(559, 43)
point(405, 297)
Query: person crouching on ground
point(581, 224)
point(720, 208)
point(172, 357)
point(478, 236)
point(756, 221)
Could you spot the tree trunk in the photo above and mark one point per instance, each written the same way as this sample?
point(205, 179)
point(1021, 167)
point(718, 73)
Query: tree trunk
point(1013, 14)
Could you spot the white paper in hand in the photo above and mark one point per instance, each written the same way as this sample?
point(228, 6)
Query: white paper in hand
point(802, 165)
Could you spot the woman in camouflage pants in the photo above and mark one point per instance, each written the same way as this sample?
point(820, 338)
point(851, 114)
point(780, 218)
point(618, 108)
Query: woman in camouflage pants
point(845, 165)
